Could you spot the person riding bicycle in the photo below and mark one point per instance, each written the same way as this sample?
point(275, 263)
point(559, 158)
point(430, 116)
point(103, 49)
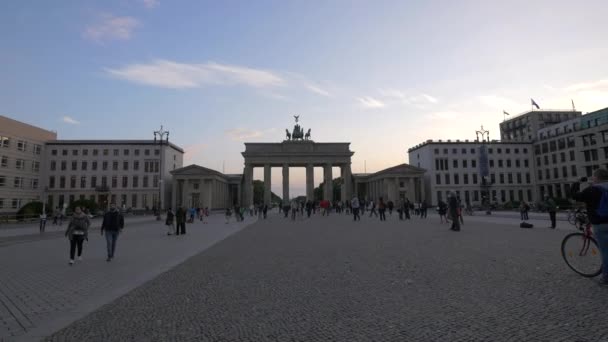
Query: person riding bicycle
point(595, 198)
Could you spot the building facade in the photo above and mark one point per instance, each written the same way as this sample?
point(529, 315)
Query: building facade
point(524, 127)
point(22, 164)
point(131, 173)
point(392, 184)
point(195, 186)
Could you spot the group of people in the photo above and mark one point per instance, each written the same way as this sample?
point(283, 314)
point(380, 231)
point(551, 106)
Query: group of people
point(77, 231)
point(451, 212)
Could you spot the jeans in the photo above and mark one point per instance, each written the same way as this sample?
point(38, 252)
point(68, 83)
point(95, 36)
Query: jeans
point(382, 214)
point(42, 225)
point(111, 237)
point(356, 214)
point(76, 241)
point(600, 232)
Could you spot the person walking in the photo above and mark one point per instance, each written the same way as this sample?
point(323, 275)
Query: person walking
point(77, 232)
point(309, 206)
point(595, 198)
point(390, 206)
point(400, 208)
point(42, 222)
point(442, 209)
point(113, 223)
point(180, 219)
point(406, 209)
point(294, 209)
point(382, 209)
point(55, 216)
point(551, 208)
point(454, 207)
point(423, 209)
point(227, 214)
point(265, 210)
point(523, 210)
point(169, 222)
point(354, 205)
point(373, 211)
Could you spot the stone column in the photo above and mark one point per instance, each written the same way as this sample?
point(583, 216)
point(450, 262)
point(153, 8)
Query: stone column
point(347, 187)
point(173, 194)
point(411, 190)
point(182, 192)
point(267, 190)
point(396, 190)
point(327, 177)
point(209, 186)
point(248, 186)
point(422, 194)
point(310, 182)
point(285, 183)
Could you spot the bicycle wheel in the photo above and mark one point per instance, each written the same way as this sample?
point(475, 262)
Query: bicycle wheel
point(582, 255)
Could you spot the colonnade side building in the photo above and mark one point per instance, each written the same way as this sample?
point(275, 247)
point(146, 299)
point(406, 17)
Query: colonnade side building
point(541, 152)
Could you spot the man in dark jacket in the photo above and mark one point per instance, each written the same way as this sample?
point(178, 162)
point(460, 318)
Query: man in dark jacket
point(113, 223)
point(180, 219)
point(453, 208)
point(592, 197)
point(551, 208)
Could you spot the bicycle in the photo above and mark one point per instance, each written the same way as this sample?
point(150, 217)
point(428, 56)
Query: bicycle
point(580, 250)
point(574, 216)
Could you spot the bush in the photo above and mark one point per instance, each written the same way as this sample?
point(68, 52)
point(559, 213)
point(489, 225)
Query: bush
point(32, 209)
point(84, 204)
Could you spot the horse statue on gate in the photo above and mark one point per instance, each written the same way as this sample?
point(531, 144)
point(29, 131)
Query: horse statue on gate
point(307, 136)
point(288, 134)
point(298, 133)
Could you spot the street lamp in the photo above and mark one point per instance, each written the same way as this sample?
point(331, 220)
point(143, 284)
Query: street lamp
point(484, 168)
point(160, 134)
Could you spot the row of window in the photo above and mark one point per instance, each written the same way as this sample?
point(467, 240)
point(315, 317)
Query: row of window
point(556, 174)
point(20, 164)
point(490, 150)
point(503, 195)
point(60, 182)
point(14, 203)
point(19, 182)
point(146, 201)
point(562, 158)
point(150, 166)
point(105, 152)
point(22, 145)
point(441, 164)
point(455, 179)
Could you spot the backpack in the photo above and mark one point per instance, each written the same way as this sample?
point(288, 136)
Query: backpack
point(602, 209)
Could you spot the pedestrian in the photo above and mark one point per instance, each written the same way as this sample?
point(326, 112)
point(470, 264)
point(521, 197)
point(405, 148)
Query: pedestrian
point(55, 216)
point(390, 206)
point(180, 220)
point(460, 211)
point(265, 210)
point(551, 208)
point(42, 222)
point(523, 210)
point(407, 208)
point(251, 208)
point(227, 214)
point(113, 223)
point(77, 232)
point(382, 209)
point(354, 204)
point(453, 208)
point(373, 211)
point(169, 222)
point(595, 197)
point(294, 209)
point(423, 209)
point(309, 206)
point(442, 208)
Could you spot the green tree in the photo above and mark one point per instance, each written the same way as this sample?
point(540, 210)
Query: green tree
point(31, 209)
point(258, 193)
point(318, 192)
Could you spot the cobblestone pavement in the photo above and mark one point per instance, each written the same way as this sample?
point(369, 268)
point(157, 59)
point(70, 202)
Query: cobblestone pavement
point(331, 279)
point(40, 293)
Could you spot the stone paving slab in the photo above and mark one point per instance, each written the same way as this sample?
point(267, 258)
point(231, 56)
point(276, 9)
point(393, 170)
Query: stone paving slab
point(330, 279)
point(40, 293)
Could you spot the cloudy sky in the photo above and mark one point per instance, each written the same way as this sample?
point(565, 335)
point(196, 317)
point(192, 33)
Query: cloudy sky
point(383, 75)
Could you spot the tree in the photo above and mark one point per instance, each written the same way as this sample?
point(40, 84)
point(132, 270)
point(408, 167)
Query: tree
point(258, 193)
point(31, 209)
point(337, 182)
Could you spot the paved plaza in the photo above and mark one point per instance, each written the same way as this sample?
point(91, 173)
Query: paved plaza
point(331, 279)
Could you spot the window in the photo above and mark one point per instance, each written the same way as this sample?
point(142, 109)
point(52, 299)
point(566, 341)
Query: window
point(564, 171)
point(115, 152)
point(517, 163)
point(526, 164)
point(508, 162)
point(491, 162)
point(145, 182)
point(64, 152)
point(115, 165)
point(510, 178)
point(135, 181)
point(64, 165)
point(105, 151)
point(465, 178)
point(114, 182)
point(156, 152)
point(500, 163)
point(436, 151)
point(476, 195)
point(16, 203)
point(472, 151)
point(19, 164)
point(474, 178)
point(464, 163)
point(546, 160)
point(125, 181)
point(35, 166)
point(490, 151)
point(83, 166)
point(125, 152)
point(2, 181)
point(104, 165)
point(18, 182)
point(95, 152)
point(85, 152)
point(519, 178)
point(445, 151)
point(155, 182)
point(456, 179)
point(72, 182)
point(464, 151)
point(136, 152)
point(493, 178)
point(537, 161)
point(455, 163)
point(74, 165)
point(516, 151)
point(52, 182)
point(53, 152)
point(547, 174)
point(499, 150)
point(437, 179)
point(572, 158)
point(502, 178)
point(136, 165)
point(94, 166)
point(74, 152)
point(134, 201)
point(21, 145)
point(528, 181)
point(562, 157)
point(125, 165)
point(507, 150)
point(83, 182)
point(473, 163)
point(540, 175)
point(37, 149)
point(146, 152)
point(447, 179)
point(104, 181)
point(503, 196)
point(554, 158)
point(93, 182)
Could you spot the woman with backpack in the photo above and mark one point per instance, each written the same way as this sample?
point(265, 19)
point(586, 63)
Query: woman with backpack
point(77, 232)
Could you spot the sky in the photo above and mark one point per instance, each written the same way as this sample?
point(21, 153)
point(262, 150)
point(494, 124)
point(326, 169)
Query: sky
point(382, 75)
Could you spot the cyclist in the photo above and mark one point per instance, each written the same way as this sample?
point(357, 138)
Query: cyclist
point(595, 198)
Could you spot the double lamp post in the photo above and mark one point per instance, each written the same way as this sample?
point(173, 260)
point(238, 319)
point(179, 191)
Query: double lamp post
point(163, 139)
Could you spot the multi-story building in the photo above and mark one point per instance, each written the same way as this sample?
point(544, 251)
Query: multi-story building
point(498, 171)
point(130, 173)
point(523, 127)
point(22, 150)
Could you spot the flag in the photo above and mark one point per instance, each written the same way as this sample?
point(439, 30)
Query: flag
point(535, 104)
point(505, 112)
point(573, 108)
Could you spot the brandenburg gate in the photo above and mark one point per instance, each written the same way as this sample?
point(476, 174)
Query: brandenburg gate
point(297, 151)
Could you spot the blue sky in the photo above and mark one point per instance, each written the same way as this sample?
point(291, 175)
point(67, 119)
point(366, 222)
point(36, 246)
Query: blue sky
point(383, 75)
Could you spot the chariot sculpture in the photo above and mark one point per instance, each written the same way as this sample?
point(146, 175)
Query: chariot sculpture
point(298, 132)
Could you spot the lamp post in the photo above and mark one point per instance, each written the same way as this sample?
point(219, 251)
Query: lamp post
point(484, 168)
point(163, 138)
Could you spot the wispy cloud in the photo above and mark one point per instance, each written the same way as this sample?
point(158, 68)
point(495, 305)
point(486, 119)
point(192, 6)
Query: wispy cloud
point(169, 74)
point(150, 3)
point(192, 151)
point(111, 27)
point(416, 99)
point(370, 102)
point(240, 134)
point(583, 86)
point(445, 115)
point(70, 120)
point(317, 89)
